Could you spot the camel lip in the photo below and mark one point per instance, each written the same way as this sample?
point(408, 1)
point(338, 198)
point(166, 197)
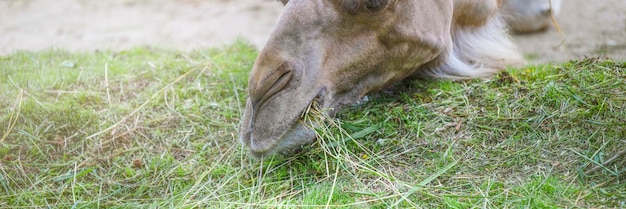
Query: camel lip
point(256, 149)
point(300, 133)
point(292, 139)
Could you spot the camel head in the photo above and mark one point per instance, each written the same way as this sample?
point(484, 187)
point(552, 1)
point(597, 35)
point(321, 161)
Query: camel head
point(333, 52)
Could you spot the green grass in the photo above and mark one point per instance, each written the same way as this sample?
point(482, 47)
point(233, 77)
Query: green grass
point(151, 128)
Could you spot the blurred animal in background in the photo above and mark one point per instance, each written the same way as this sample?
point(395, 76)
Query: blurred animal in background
point(527, 16)
point(326, 54)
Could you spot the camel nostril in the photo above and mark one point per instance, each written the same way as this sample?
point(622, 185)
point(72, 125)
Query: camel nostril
point(269, 82)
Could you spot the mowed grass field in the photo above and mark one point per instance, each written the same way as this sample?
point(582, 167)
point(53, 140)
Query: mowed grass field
point(153, 128)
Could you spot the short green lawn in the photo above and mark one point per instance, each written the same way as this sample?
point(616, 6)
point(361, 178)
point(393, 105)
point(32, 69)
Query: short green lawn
point(152, 128)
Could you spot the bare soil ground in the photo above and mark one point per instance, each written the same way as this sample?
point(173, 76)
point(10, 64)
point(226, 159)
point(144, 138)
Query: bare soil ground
point(590, 28)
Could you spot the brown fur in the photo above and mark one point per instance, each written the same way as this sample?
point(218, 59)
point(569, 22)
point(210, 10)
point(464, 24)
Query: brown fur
point(472, 13)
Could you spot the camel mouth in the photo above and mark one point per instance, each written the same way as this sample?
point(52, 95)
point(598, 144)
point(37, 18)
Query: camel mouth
point(293, 139)
point(291, 142)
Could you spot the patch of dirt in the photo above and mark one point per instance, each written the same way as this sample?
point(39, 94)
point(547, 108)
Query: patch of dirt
point(83, 25)
point(591, 28)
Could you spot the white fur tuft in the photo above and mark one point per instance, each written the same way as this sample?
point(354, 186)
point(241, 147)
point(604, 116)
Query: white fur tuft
point(479, 52)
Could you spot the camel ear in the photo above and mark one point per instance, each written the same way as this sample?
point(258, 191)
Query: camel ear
point(284, 2)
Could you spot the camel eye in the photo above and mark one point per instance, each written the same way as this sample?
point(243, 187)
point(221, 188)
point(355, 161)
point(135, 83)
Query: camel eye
point(376, 5)
point(364, 6)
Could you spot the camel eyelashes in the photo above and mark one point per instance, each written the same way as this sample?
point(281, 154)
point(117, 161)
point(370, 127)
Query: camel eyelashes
point(374, 5)
point(370, 6)
point(356, 6)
